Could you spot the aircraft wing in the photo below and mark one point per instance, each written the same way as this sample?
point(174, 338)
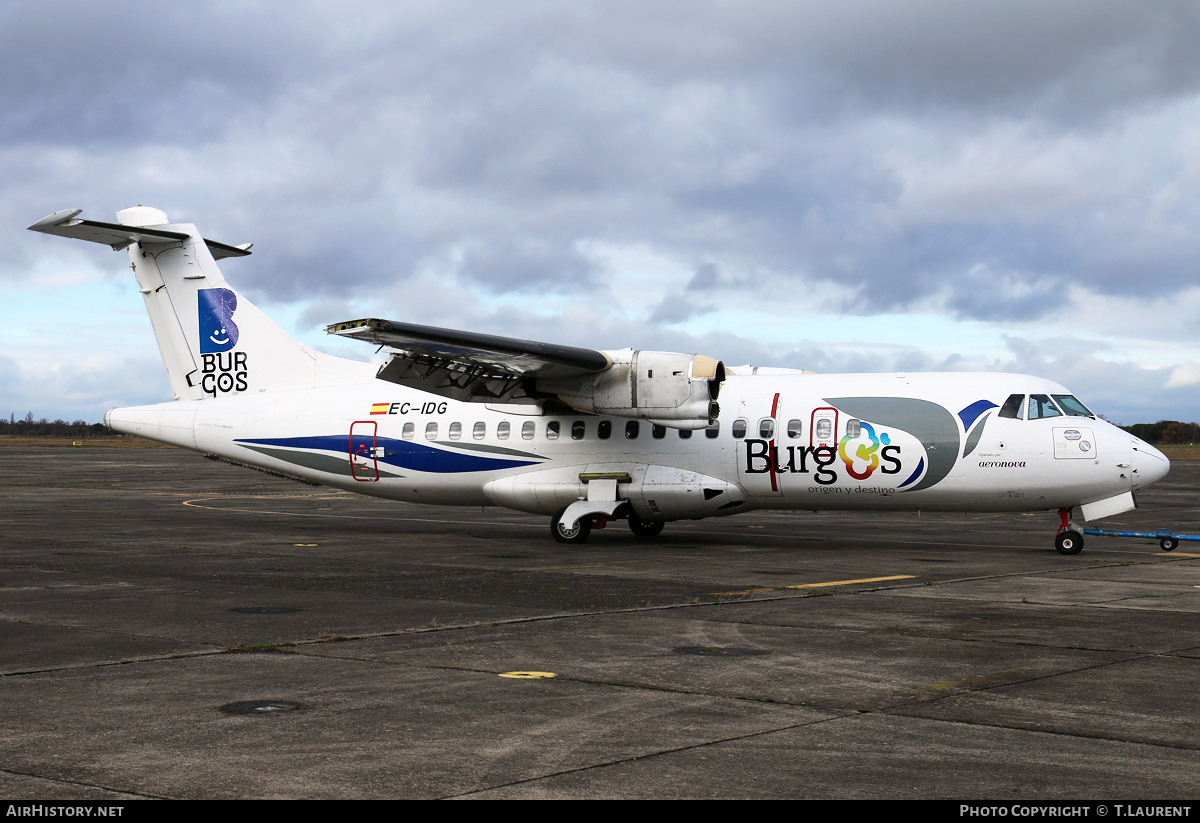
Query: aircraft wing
point(65, 224)
point(468, 366)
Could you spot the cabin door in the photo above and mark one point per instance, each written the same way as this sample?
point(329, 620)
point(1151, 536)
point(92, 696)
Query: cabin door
point(363, 465)
point(759, 461)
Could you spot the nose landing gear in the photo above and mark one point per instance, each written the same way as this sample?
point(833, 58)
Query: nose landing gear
point(1069, 539)
point(578, 529)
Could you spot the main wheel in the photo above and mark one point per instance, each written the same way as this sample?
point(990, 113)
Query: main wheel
point(645, 528)
point(1168, 544)
point(576, 532)
point(1069, 542)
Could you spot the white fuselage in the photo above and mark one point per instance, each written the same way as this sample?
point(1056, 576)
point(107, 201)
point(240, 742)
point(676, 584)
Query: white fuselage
point(783, 442)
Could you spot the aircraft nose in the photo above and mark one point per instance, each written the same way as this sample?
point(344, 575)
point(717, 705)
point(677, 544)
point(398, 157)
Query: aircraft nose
point(1149, 464)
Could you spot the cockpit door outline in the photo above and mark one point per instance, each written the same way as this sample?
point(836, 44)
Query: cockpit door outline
point(756, 411)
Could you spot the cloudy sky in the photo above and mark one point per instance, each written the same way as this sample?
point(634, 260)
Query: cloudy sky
point(873, 186)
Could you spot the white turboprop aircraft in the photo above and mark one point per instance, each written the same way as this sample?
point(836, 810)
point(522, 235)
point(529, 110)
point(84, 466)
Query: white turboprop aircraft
point(584, 436)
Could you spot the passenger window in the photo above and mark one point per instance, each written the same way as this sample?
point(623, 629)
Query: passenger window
point(408, 431)
point(480, 431)
point(714, 430)
point(824, 428)
point(578, 429)
point(455, 431)
point(631, 430)
point(552, 430)
point(684, 434)
point(604, 429)
point(431, 431)
point(795, 428)
point(1012, 407)
point(502, 429)
point(738, 429)
point(1040, 406)
point(853, 428)
point(766, 428)
point(1071, 406)
point(527, 430)
point(658, 432)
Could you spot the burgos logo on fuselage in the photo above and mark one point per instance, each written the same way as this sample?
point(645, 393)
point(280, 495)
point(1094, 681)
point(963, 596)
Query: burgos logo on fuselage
point(222, 370)
point(862, 461)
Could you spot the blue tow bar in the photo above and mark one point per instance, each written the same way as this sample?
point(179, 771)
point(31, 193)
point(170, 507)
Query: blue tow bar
point(1166, 540)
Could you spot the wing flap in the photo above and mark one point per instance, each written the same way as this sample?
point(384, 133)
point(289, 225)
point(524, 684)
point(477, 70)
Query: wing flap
point(469, 366)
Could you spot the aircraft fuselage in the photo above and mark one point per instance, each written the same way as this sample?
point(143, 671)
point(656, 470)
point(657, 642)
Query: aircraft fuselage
point(920, 441)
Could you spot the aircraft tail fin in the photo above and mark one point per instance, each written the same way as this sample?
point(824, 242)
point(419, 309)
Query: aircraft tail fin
point(213, 341)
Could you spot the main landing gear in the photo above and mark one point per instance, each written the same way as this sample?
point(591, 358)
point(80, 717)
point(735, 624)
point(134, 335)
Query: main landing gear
point(579, 531)
point(576, 532)
point(645, 528)
point(1069, 539)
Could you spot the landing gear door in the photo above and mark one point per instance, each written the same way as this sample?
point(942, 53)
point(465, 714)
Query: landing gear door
point(363, 465)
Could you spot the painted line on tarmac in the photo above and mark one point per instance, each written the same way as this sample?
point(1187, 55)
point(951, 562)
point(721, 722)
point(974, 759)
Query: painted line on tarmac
point(818, 585)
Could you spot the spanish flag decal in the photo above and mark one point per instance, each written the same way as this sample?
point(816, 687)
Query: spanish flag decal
point(379, 408)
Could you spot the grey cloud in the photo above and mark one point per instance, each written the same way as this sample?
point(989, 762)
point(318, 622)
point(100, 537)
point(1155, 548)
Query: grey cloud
point(1069, 60)
point(677, 308)
point(287, 274)
point(706, 278)
point(508, 264)
point(149, 73)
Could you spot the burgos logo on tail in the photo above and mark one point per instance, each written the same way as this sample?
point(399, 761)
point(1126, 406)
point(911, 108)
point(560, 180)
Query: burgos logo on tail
point(222, 369)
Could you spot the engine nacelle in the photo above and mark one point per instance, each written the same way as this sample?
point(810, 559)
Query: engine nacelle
point(670, 389)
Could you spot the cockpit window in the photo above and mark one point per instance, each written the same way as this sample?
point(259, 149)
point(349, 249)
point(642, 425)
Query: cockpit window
point(1012, 407)
point(1041, 406)
point(1071, 406)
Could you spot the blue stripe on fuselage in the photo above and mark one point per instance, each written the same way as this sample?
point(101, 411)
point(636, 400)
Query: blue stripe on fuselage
point(400, 453)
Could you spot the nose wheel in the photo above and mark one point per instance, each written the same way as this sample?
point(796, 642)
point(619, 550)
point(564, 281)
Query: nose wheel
point(1069, 539)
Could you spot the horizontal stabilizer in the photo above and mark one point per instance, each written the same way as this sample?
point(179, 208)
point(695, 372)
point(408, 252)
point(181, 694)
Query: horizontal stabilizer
point(64, 224)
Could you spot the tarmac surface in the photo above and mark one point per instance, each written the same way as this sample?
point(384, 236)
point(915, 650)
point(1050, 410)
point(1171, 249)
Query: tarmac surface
point(172, 627)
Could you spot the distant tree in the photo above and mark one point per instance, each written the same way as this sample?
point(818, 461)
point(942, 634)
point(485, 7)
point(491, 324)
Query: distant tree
point(1176, 432)
point(1166, 432)
point(59, 428)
